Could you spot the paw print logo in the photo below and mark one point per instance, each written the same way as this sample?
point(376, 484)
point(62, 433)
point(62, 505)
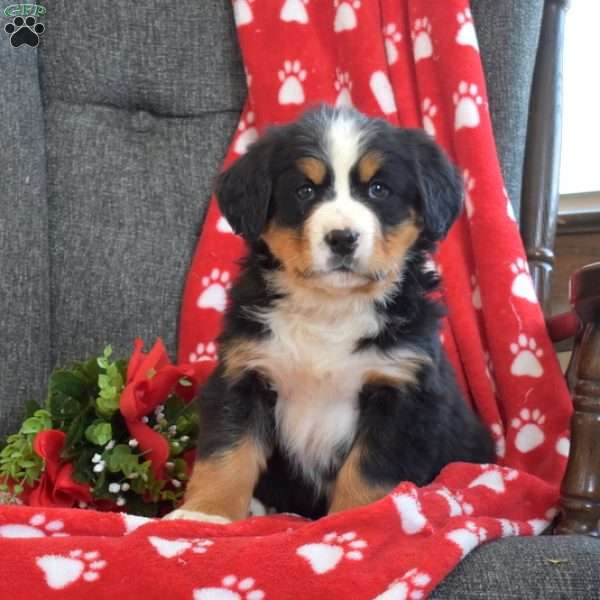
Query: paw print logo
point(467, 102)
point(412, 519)
point(476, 293)
point(392, 38)
point(247, 134)
point(61, 571)
point(527, 355)
point(231, 588)
point(214, 294)
point(171, 548)
point(37, 526)
point(421, 36)
point(294, 11)
point(466, 35)
point(327, 555)
point(456, 503)
point(382, 90)
point(24, 31)
point(529, 430)
point(499, 439)
point(291, 76)
point(204, 352)
point(467, 537)
point(345, 15)
point(429, 110)
point(242, 12)
point(343, 87)
point(494, 478)
point(411, 586)
point(469, 185)
point(522, 286)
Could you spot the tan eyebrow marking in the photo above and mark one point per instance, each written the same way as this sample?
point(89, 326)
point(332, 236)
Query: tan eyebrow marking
point(369, 164)
point(313, 168)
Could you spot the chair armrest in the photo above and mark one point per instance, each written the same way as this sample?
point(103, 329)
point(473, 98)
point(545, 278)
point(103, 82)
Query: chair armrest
point(580, 490)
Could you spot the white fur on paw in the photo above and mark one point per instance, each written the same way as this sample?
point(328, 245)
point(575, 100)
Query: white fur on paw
point(467, 102)
point(214, 294)
point(192, 515)
point(529, 430)
point(345, 15)
point(527, 355)
point(421, 36)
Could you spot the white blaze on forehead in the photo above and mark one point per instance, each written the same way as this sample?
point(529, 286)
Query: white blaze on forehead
point(343, 143)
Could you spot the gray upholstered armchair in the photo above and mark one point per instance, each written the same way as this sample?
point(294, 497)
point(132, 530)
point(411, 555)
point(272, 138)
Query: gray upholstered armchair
point(110, 131)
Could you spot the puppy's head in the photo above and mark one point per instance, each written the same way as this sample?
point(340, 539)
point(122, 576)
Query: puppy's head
point(340, 198)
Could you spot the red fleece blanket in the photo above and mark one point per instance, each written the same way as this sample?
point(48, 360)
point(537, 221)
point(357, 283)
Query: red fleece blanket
point(416, 63)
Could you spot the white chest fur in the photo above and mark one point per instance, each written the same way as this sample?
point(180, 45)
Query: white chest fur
point(311, 363)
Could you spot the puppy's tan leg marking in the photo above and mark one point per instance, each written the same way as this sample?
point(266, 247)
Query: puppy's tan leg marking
point(220, 488)
point(351, 489)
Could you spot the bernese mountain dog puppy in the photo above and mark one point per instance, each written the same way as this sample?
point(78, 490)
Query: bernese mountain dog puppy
point(332, 386)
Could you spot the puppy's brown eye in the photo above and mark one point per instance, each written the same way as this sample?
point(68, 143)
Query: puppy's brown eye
point(378, 191)
point(305, 193)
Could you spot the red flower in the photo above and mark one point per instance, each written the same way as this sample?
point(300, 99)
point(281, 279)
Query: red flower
point(56, 486)
point(150, 379)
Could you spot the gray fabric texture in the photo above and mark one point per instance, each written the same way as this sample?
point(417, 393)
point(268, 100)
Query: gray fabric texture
point(508, 33)
point(24, 301)
point(540, 568)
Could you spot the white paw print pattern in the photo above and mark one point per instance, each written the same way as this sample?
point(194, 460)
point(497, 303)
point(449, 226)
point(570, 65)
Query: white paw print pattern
point(291, 76)
point(382, 90)
point(343, 88)
point(172, 548)
point(489, 369)
point(411, 586)
point(457, 504)
point(522, 285)
point(509, 528)
point(494, 478)
point(466, 36)
point(204, 352)
point(526, 361)
point(242, 12)
point(476, 293)
point(232, 588)
point(392, 38)
point(327, 555)
point(37, 526)
point(345, 15)
point(529, 425)
point(247, 134)
point(499, 439)
point(468, 537)
point(215, 287)
point(467, 102)
point(61, 571)
point(294, 11)
point(429, 110)
point(563, 446)
point(412, 519)
point(421, 36)
point(469, 185)
point(223, 226)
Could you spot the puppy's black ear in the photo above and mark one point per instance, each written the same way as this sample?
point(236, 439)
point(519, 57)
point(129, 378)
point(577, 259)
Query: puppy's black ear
point(244, 190)
point(440, 187)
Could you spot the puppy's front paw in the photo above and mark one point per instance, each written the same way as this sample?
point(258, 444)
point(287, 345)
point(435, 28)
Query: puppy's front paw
point(193, 515)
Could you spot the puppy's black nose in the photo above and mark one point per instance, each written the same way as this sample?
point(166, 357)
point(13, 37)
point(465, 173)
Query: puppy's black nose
point(342, 241)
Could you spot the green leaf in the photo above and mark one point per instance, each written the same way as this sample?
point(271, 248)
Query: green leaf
point(63, 407)
point(30, 407)
point(99, 433)
point(74, 435)
point(69, 383)
point(31, 425)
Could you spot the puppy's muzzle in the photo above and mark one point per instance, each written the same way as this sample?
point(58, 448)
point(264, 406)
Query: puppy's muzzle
point(342, 242)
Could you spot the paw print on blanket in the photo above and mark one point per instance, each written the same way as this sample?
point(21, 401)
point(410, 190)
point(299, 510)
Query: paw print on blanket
point(529, 430)
point(343, 87)
point(457, 504)
point(476, 293)
point(326, 555)
point(421, 36)
point(247, 134)
point(563, 446)
point(467, 102)
point(294, 11)
point(232, 588)
point(469, 186)
point(242, 12)
point(171, 548)
point(489, 370)
point(215, 287)
point(428, 110)
point(522, 285)
point(509, 528)
point(494, 478)
point(392, 38)
point(499, 439)
point(345, 15)
point(382, 90)
point(291, 76)
point(466, 36)
point(409, 587)
point(223, 226)
point(204, 352)
point(412, 519)
point(37, 526)
point(61, 570)
point(527, 355)
point(468, 537)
